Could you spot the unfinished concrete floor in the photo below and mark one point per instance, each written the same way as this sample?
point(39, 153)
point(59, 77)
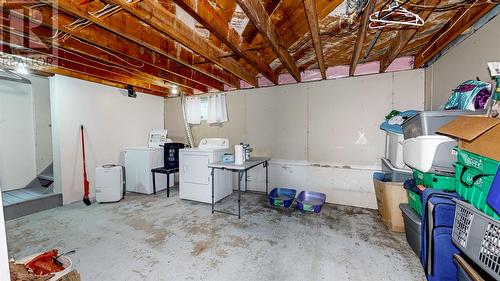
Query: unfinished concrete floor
point(158, 238)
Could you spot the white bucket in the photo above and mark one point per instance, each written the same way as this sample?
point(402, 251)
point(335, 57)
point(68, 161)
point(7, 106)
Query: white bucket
point(66, 263)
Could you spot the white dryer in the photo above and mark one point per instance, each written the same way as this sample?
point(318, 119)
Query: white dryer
point(195, 181)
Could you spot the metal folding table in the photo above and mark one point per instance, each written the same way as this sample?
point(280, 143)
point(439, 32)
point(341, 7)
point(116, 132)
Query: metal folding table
point(242, 171)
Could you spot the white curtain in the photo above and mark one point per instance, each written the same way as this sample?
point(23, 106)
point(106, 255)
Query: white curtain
point(217, 110)
point(193, 110)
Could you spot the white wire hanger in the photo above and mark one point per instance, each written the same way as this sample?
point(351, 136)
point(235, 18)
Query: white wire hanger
point(394, 15)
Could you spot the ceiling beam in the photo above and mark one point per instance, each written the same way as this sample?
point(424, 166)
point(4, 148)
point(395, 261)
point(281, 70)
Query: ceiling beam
point(404, 36)
point(108, 46)
point(458, 24)
point(22, 42)
point(250, 31)
point(72, 69)
point(259, 17)
point(312, 20)
point(129, 27)
point(204, 13)
point(360, 40)
point(164, 22)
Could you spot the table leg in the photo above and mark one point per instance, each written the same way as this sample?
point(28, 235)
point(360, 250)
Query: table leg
point(213, 203)
point(154, 184)
point(239, 194)
point(246, 181)
point(267, 172)
point(168, 185)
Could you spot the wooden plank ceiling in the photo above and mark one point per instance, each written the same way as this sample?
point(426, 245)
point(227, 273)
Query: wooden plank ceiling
point(214, 45)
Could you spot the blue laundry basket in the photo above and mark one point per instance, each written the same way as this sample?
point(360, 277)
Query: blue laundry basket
point(310, 201)
point(282, 197)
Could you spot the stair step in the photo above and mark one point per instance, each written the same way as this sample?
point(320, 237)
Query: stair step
point(44, 202)
point(46, 177)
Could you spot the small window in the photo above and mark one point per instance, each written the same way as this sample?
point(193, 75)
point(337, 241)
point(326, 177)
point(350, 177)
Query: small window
point(204, 108)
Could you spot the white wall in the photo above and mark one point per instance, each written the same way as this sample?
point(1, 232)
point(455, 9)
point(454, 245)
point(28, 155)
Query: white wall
point(4, 257)
point(321, 135)
point(17, 141)
point(465, 61)
point(42, 122)
point(112, 121)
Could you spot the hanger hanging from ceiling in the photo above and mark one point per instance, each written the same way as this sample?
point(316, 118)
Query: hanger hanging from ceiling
point(394, 15)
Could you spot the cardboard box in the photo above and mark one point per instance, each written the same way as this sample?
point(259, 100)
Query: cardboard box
point(476, 134)
point(389, 196)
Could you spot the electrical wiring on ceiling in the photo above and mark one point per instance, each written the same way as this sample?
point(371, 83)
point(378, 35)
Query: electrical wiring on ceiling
point(448, 6)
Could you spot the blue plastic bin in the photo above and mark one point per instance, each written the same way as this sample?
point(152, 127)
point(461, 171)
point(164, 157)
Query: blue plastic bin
point(493, 198)
point(310, 201)
point(282, 197)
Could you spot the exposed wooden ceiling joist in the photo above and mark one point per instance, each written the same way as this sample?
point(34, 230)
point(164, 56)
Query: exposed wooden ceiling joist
point(312, 20)
point(460, 22)
point(204, 13)
point(19, 39)
point(97, 41)
point(63, 59)
point(259, 17)
point(129, 27)
point(404, 36)
point(360, 40)
point(158, 17)
point(83, 72)
point(250, 31)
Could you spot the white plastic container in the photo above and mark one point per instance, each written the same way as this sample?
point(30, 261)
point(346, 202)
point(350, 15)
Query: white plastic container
point(428, 153)
point(394, 149)
point(109, 183)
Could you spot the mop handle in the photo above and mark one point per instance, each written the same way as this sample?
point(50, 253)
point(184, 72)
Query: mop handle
point(83, 153)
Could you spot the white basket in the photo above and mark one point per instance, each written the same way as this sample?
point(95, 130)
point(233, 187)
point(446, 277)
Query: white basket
point(424, 152)
point(66, 263)
point(394, 149)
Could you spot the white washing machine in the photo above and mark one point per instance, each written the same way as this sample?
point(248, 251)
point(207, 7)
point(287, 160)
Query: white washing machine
point(195, 181)
point(138, 164)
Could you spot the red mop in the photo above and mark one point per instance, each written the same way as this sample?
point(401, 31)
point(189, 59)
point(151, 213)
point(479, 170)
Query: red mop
point(86, 199)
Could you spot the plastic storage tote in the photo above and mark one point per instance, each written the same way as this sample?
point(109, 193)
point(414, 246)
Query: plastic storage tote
point(414, 196)
point(493, 198)
point(282, 197)
point(394, 137)
point(430, 153)
point(474, 187)
point(477, 236)
point(428, 122)
point(310, 201)
point(394, 174)
point(394, 149)
point(413, 228)
point(482, 164)
point(430, 180)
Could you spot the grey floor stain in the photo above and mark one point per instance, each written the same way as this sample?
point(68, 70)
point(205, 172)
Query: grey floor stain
point(159, 238)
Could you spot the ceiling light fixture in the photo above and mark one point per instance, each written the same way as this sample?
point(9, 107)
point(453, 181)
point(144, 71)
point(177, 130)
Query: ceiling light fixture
point(174, 90)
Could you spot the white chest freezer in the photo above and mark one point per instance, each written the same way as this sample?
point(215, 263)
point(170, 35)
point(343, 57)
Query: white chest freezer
point(138, 164)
